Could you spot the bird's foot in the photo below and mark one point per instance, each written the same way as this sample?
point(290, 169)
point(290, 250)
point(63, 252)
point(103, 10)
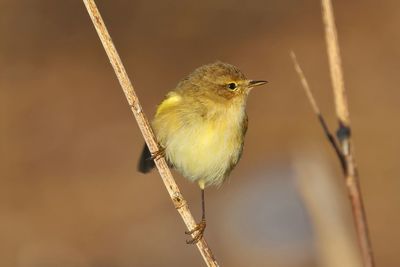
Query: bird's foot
point(158, 154)
point(199, 230)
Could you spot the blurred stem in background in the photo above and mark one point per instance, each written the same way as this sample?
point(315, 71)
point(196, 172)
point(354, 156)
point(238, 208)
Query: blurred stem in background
point(326, 205)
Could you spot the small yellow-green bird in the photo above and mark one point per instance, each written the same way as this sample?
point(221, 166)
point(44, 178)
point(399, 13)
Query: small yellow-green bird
point(200, 127)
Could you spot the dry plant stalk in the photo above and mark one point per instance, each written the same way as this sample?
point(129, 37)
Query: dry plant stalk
point(344, 150)
point(344, 134)
point(317, 111)
point(133, 101)
point(349, 171)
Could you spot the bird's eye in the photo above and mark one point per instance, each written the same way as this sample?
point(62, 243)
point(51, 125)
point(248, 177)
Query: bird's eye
point(232, 86)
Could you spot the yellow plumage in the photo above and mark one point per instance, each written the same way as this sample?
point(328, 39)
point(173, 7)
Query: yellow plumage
point(200, 127)
point(204, 148)
point(201, 124)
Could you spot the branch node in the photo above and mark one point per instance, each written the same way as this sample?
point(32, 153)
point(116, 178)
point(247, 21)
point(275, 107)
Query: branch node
point(136, 107)
point(178, 200)
point(343, 134)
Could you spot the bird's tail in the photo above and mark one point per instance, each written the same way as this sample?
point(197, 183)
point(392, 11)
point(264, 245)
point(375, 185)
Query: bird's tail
point(146, 163)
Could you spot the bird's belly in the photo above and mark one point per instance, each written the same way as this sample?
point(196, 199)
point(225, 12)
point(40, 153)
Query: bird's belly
point(205, 151)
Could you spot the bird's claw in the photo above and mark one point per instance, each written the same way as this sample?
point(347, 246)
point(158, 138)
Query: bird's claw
point(158, 154)
point(199, 230)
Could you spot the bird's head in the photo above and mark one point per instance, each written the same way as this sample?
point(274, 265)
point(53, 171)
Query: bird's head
point(221, 81)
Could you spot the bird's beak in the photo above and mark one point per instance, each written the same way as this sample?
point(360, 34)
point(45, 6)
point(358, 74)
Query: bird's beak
point(256, 83)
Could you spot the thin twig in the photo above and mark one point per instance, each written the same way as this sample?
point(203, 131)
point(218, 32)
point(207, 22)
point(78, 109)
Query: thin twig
point(344, 134)
point(346, 151)
point(351, 178)
point(133, 101)
point(317, 111)
point(335, 62)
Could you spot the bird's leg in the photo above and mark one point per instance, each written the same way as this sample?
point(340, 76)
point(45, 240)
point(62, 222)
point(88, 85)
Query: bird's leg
point(159, 153)
point(200, 227)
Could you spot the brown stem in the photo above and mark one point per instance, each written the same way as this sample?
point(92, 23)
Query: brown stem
point(349, 171)
point(343, 134)
point(345, 151)
point(133, 101)
point(317, 112)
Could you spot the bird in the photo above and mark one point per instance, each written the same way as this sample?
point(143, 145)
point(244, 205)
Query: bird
point(200, 128)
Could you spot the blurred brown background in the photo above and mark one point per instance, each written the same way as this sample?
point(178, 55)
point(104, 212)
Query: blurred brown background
point(70, 193)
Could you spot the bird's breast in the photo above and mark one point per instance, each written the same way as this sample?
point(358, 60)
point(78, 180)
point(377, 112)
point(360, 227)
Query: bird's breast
point(206, 147)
